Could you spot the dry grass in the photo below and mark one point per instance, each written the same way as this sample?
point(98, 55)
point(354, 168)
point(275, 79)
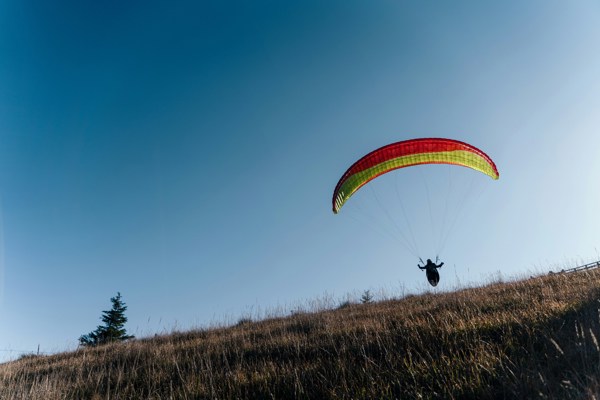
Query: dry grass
point(527, 339)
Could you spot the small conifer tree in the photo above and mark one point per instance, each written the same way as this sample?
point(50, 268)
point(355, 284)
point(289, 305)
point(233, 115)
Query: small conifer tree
point(367, 297)
point(113, 329)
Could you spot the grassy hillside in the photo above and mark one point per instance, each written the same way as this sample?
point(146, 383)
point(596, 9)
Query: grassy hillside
point(530, 339)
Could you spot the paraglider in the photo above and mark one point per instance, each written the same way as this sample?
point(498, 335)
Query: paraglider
point(410, 153)
point(431, 271)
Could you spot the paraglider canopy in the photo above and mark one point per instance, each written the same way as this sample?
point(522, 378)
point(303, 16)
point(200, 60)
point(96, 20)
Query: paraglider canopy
point(409, 153)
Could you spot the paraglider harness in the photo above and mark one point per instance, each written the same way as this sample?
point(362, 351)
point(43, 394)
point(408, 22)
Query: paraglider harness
point(431, 270)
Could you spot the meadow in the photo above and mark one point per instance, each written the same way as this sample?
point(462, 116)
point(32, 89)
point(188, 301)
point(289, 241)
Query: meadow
point(533, 338)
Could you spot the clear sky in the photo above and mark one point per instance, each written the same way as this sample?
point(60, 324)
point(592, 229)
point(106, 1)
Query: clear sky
point(185, 153)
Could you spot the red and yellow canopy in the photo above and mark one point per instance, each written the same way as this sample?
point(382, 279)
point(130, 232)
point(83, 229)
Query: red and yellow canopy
point(408, 153)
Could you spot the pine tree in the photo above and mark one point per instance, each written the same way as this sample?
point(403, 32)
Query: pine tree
point(367, 297)
point(113, 329)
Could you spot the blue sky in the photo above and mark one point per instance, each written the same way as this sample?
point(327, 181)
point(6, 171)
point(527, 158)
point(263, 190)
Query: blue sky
point(185, 153)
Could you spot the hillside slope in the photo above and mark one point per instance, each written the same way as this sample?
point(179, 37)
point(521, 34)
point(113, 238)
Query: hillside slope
point(526, 339)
